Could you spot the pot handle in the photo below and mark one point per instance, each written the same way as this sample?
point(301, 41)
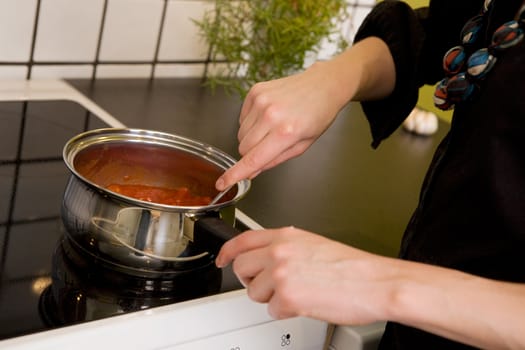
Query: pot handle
point(211, 232)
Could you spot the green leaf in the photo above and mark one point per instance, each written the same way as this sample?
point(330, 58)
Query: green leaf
point(267, 39)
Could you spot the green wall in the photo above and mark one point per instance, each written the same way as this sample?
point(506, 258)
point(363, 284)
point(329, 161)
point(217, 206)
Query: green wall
point(417, 3)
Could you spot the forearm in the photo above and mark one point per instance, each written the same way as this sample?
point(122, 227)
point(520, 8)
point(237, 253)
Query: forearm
point(363, 72)
point(462, 307)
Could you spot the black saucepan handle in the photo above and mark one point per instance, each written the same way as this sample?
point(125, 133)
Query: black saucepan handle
point(211, 232)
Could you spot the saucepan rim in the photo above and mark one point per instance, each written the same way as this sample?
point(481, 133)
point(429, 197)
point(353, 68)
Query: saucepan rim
point(151, 137)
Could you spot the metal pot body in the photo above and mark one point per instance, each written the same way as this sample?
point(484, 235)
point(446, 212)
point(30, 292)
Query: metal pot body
point(135, 234)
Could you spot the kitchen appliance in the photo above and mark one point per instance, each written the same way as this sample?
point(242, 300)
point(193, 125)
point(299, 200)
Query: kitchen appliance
point(52, 297)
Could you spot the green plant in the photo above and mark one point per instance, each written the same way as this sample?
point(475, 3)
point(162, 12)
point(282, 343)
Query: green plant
point(260, 40)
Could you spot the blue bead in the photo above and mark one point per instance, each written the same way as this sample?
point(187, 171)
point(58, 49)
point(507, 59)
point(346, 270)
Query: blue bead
point(471, 30)
point(509, 34)
point(440, 96)
point(459, 88)
point(454, 60)
point(480, 63)
point(460, 83)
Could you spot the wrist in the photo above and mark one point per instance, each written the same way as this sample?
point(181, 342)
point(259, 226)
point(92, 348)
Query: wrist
point(365, 71)
point(338, 80)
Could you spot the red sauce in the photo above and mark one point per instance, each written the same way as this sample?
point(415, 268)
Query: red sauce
point(177, 196)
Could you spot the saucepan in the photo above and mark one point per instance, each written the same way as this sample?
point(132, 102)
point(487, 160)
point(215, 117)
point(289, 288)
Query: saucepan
point(139, 200)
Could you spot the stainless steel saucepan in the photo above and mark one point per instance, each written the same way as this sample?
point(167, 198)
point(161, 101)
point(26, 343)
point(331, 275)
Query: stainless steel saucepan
point(165, 223)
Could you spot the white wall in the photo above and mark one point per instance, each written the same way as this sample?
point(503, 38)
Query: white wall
point(110, 38)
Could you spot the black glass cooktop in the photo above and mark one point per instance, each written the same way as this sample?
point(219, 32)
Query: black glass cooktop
point(32, 181)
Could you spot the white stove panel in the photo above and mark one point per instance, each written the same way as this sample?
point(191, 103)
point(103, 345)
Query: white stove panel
point(228, 321)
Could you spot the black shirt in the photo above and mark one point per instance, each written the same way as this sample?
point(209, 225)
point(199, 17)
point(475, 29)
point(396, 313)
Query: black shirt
point(471, 214)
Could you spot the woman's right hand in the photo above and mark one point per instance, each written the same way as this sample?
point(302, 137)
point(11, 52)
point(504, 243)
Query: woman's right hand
point(280, 119)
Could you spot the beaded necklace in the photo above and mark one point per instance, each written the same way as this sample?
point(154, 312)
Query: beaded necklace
point(465, 66)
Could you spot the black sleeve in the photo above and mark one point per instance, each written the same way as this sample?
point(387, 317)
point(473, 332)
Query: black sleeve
point(417, 40)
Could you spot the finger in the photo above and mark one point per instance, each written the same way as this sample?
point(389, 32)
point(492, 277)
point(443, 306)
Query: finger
point(260, 118)
point(244, 242)
point(291, 152)
point(232, 175)
point(254, 161)
point(251, 98)
point(279, 310)
point(246, 106)
point(261, 288)
point(246, 123)
point(262, 122)
point(249, 265)
point(262, 111)
point(250, 133)
point(245, 126)
point(245, 109)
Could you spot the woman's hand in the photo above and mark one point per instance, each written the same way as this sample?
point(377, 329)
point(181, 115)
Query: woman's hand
point(299, 273)
point(280, 119)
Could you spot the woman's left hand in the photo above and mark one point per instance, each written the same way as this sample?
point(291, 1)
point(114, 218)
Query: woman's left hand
point(299, 273)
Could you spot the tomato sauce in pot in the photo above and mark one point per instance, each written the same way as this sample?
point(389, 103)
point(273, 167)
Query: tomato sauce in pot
point(152, 173)
point(161, 195)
